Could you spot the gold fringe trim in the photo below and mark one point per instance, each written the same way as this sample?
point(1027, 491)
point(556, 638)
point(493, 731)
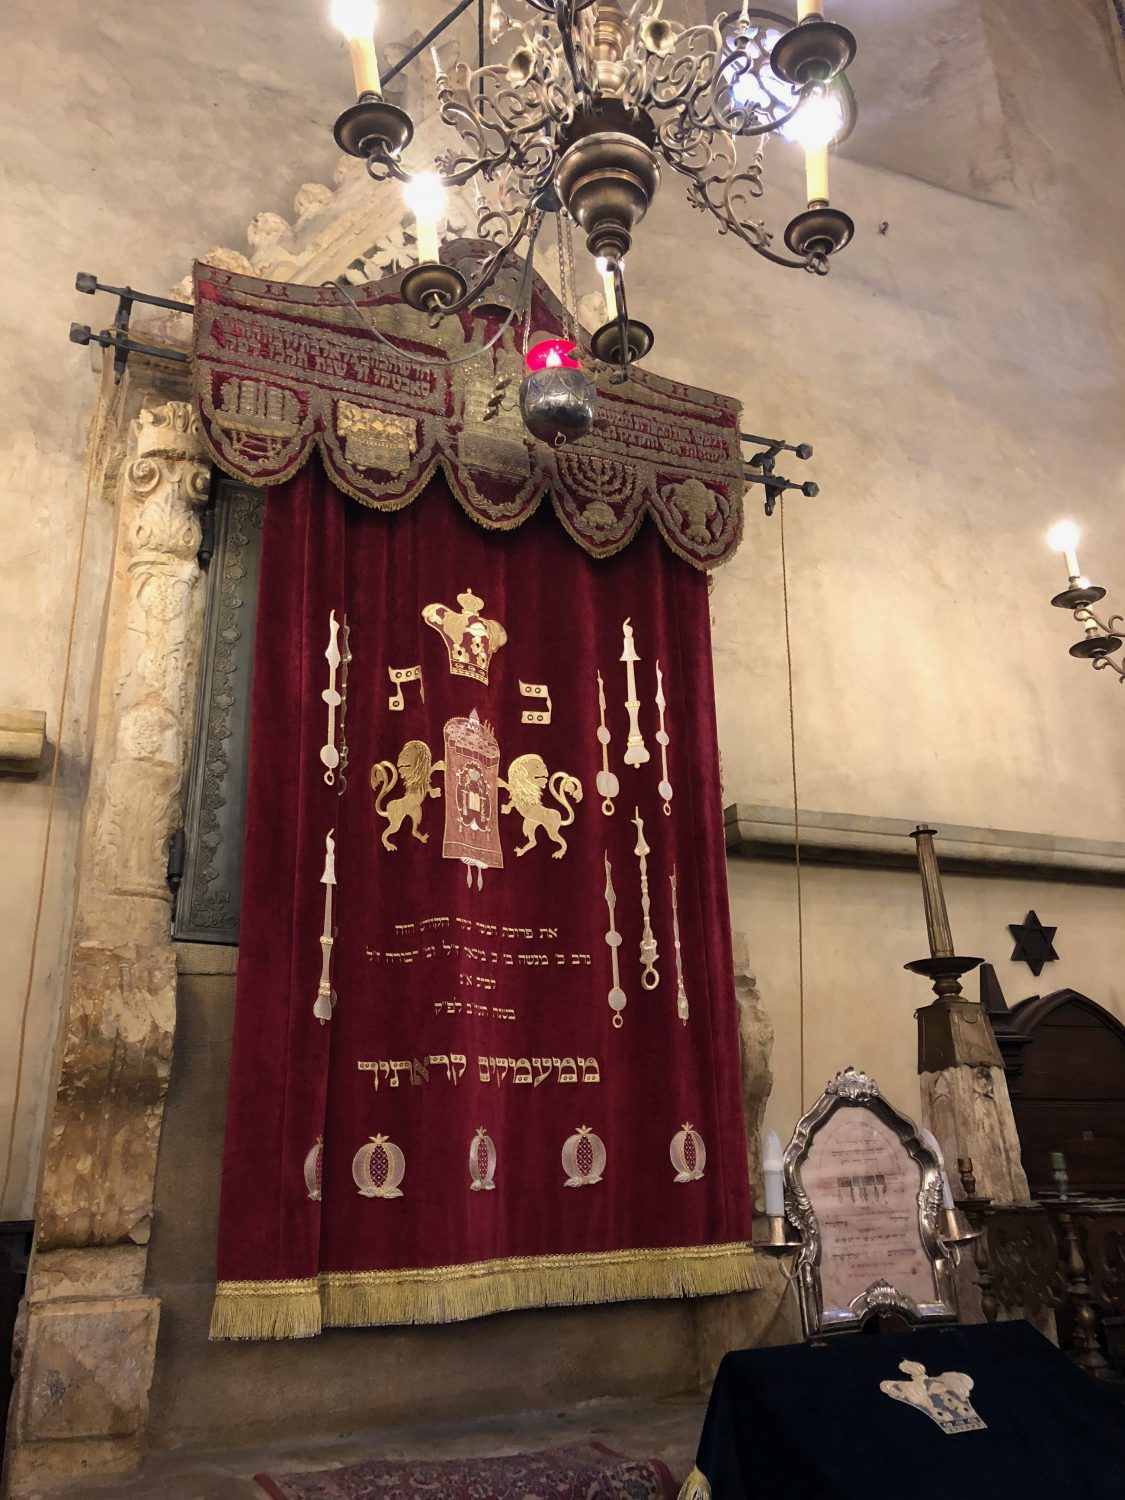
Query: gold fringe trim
point(695, 1487)
point(449, 1294)
point(266, 1310)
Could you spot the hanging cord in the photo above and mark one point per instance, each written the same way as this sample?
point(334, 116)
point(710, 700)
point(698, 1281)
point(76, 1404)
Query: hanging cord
point(461, 359)
point(55, 758)
point(796, 810)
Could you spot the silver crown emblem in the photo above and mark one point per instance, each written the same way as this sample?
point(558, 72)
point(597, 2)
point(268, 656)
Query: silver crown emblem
point(944, 1398)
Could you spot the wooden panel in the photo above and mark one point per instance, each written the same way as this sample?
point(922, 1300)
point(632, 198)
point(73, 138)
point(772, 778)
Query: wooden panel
point(1072, 1100)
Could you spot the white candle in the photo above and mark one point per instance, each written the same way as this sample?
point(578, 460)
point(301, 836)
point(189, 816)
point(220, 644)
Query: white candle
point(809, 8)
point(1063, 537)
point(608, 288)
point(816, 174)
point(931, 1140)
point(425, 196)
point(356, 19)
point(772, 1172)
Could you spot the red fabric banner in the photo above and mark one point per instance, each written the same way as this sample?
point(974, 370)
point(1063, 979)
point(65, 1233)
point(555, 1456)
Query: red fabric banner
point(486, 1051)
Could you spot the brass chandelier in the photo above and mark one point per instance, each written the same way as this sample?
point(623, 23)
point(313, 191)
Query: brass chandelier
point(593, 103)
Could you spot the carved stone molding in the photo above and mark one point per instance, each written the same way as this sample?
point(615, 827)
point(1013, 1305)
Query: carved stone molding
point(88, 1334)
point(101, 1151)
point(152, 648)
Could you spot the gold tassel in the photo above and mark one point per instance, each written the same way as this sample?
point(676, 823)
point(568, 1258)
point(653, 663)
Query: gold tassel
point(448, 1294)
point(451, 1294)
point(695, 1487)
point(266, 1310)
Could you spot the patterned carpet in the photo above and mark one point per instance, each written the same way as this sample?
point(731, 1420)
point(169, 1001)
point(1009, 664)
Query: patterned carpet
point(586, 1471)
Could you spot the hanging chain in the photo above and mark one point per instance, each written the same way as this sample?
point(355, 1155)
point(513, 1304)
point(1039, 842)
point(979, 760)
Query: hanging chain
point(567, 293)
point(529, 277)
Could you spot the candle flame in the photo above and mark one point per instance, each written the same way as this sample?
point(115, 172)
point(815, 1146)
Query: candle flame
point(355, 18)
point(817, 123)
point(1063, 536)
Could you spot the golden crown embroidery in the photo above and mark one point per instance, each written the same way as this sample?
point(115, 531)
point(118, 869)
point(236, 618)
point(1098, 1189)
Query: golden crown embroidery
point(471, 640)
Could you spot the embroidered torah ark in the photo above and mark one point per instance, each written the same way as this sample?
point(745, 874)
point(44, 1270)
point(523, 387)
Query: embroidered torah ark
point(486, 1051)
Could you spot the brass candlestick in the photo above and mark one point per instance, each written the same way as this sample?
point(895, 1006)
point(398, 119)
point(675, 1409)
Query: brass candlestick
point(776, 1242)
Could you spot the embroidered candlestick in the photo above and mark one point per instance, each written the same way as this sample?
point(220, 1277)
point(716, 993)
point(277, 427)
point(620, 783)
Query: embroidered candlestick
point(635, 752)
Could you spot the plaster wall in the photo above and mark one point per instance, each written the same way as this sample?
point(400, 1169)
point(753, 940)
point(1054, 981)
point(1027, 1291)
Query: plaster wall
point(861, 926)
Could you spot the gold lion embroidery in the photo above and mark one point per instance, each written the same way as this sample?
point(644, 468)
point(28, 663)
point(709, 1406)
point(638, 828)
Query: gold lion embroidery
point(526, 782)
point(415, 768)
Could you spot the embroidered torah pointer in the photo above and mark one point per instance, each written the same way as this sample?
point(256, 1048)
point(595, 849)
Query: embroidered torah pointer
point(329, 755)
point(617, 999)
point(325, 997)
point(607, 783)
point(665, 787)
point(636, 754)
point(681, 992)
point(345, 658)
point(650, 978)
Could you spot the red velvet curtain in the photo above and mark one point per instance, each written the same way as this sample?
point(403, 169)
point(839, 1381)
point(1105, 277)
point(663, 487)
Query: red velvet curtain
point(469, 1131)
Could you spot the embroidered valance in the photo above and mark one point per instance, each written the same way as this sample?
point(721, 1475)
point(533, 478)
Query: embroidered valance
point(280, 369)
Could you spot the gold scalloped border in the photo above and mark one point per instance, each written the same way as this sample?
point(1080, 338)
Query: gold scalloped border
point(451, 1294)
point(315, 441)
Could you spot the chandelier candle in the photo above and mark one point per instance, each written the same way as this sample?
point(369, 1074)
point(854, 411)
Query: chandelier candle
point(809, 8)
point(606, 273)
point(425, 196)
point(356, 19)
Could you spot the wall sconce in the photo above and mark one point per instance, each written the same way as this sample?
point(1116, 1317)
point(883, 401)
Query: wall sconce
point(1100, 639)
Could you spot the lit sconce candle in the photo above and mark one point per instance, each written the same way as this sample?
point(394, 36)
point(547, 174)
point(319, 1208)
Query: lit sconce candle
point(931, 1140)
point(809, 8)
point(1063, 537)
point(425, 197)
point(356, 19)
point(609, 288)
point(772, 1172)
point(815, 126)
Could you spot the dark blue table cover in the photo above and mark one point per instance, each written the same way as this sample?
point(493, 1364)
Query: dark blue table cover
point(809, 1422)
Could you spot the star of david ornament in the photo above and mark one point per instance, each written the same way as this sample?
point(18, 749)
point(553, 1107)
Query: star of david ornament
point(1034, 943)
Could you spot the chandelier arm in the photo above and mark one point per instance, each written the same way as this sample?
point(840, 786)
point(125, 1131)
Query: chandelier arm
point(492, 265)
point(752, 232)
point(461, 359)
